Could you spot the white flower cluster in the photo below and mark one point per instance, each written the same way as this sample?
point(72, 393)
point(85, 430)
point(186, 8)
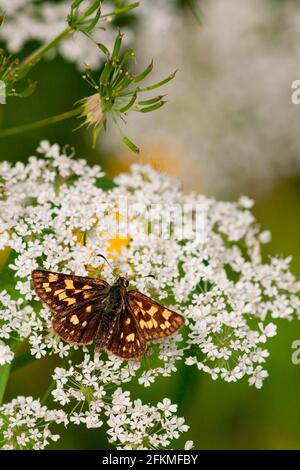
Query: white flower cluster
point(55, 214)
point(215, 278)
point(87, 389)
point(6, 355)
point(137, 426)
point(25, 424)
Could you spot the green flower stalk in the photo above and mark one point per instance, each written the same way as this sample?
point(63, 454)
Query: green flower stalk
point(81, 18)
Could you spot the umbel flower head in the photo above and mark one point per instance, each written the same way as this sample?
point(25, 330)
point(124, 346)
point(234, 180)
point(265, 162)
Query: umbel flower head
point(25, 424)
point(59, 214)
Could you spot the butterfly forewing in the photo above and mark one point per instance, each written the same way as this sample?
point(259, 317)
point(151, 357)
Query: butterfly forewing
point(127, 341)
point(154, 320)
point(63, 292)
point(76, 301)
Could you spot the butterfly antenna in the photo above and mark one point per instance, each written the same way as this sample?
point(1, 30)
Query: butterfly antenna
point(148, 275)
point(106, 260)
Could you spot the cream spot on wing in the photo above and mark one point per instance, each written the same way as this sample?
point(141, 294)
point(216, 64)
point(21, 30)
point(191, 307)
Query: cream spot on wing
point(59, 291)
point(167, 324)
point(86, 286)
point(74, 319)
point(45, 284)
point(121, 335)
point(48, 289)
point(130, 337)
point(149, 324)
point(88, 309)
point(124, 348)
point(163, 327)
point(143, 324)
point(86, 295)
point(140, 304)
point(127, 321)
point(53, 277)
point(155, 324)
point(166, 314)
point(84, 324)
point(70, 301)
point(69, 284)
point(153, 310)
point(62, 296)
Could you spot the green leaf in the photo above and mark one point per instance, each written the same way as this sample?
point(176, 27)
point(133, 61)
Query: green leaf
point(151, 101)
point(120, 11)
point(117, 47)
point(128, 105)
point(144, 74)
point(93, 23)
point(129, 54)
point(104, 77)
point(103, 48)
point(130, 144)
point(148, 109)
point(105, 184)
point(159, 84)
point(76, 3)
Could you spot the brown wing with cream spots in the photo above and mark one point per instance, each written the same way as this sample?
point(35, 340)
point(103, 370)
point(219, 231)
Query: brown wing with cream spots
point(64, 292)
point(78, 326)
point(77, 303)
point(127, 341)
point(155, 321)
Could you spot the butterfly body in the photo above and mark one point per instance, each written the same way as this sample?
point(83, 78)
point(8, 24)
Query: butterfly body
point(88, 310)
point(116, 300)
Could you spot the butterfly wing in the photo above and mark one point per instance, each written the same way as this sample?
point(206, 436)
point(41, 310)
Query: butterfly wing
point(155, 321)
point(77, 303)
point(127, 341)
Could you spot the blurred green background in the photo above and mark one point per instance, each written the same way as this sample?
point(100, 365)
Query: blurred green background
point(221, 416)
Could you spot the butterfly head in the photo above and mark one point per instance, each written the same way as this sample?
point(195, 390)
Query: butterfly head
point(122, 282)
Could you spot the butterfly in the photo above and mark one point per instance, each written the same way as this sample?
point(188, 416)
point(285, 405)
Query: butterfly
point(88, 310)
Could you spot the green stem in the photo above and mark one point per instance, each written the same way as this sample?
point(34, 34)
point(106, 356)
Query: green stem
point(38, 124)
point(4, 373)
point(48, 392)
point(33, 58)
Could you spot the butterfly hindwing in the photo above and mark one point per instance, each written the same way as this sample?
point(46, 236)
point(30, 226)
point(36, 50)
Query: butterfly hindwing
point(155, 321)
point(63, 292)
point(78, 326)
point(127, 341)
